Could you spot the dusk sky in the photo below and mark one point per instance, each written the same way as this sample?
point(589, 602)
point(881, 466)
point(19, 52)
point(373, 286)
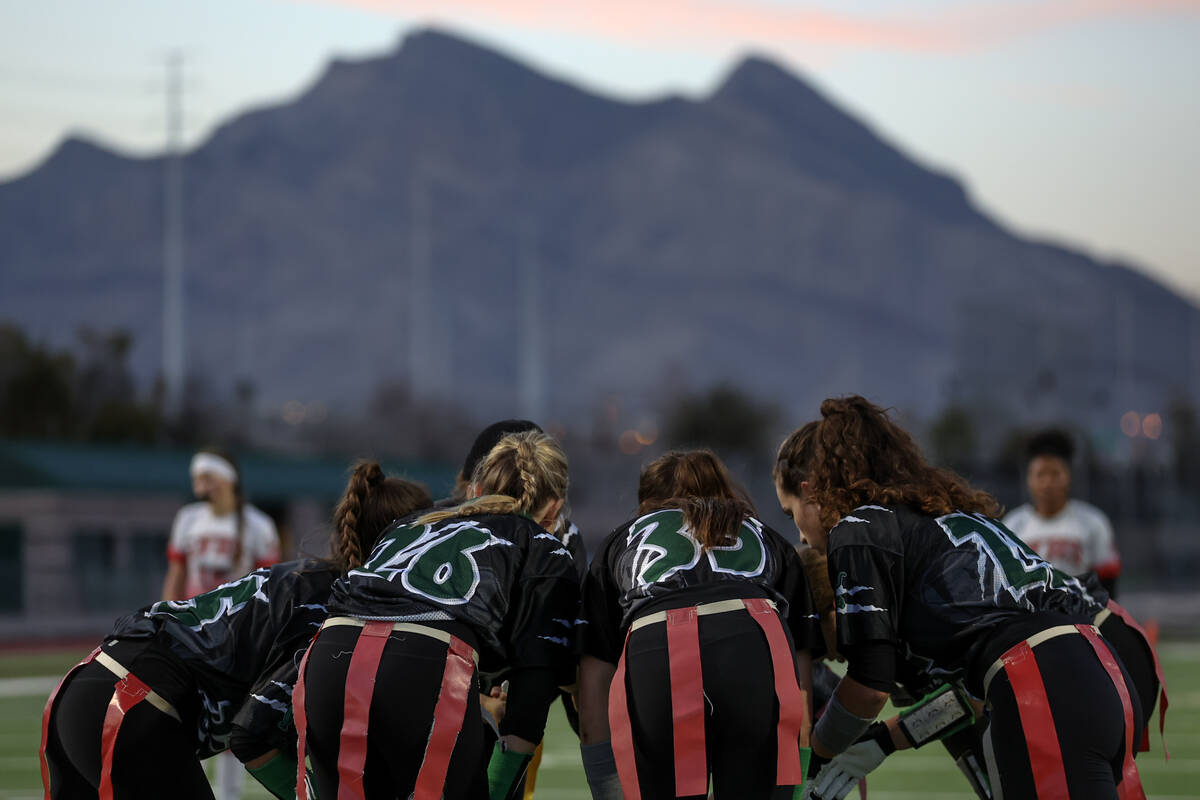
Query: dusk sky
point(1076, 120)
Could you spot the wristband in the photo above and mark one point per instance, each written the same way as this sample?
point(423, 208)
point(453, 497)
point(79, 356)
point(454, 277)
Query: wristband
point(837, 728)
point(879, 733)
point(505, 770)
point(600, 767)
point(278, 775)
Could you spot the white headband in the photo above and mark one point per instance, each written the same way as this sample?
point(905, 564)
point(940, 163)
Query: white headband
point(208, 463)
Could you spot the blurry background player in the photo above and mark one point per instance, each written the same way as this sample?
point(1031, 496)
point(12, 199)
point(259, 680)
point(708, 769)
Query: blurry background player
point(1074, 536)
point(214, 540)
point(687, 670)
point(208, 673)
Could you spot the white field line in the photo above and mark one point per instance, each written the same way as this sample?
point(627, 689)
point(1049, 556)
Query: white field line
point(26, 687)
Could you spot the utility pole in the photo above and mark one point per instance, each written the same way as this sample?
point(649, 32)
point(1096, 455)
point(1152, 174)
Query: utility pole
point(173, 347)
point(420, 287)
point(531, 353)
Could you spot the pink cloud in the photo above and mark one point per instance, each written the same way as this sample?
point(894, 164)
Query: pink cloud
point(714, 22)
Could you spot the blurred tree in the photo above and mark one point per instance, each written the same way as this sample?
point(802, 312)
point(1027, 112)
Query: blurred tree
point(725, 419)
point(109, 408)
point(36, 389)
point(1184, 430)
point(952, 437)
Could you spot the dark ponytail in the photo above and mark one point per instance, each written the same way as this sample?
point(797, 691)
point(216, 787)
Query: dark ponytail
point(371, 502)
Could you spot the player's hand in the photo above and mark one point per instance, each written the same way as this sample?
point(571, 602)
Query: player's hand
point(495, 703)
point(837, 778)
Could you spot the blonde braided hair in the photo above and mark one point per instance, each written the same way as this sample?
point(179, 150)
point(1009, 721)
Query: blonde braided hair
point(520, 475)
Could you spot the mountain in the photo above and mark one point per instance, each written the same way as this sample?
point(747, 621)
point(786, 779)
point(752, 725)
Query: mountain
point(378, 228)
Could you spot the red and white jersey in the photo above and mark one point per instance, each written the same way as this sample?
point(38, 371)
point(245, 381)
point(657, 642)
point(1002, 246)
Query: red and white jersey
point(1077, 539)
point(204, 543)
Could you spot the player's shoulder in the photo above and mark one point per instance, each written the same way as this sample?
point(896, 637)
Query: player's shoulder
point(303, 580)
point(511, 526)
point(1018, 517)
point(259, 518)
point(191, 512)
point(872, 525)
point(1087, 512)
point(770, 535)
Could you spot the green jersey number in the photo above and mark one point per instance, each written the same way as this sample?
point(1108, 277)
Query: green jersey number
point(226, 599)
point(666, 546)
point(438, 564)
point(1017, 567)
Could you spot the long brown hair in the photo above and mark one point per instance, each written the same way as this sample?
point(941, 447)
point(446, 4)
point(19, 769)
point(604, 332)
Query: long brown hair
point(856, 455)
point(521, 474)
point(697, 483)
point(239, 502)
point(371, 502)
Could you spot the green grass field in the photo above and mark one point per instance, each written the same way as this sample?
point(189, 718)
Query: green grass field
point(25, 680)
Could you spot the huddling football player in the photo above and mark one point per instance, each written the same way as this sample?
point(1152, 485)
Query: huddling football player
point(182, 680)
point(698, 627)
point(563, 528)
point(480, 582)
point(927, 581)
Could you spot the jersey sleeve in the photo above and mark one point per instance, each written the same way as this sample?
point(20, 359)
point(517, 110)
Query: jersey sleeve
point(867, 583)
point(600, 632)
point(295, 614)
point(545, 605)
point(1103, 558)
point(177, 544)
point(264, 541)
point(802, 618)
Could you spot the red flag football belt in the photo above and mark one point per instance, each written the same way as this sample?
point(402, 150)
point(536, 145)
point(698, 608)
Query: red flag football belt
point(128, 691)
point(448, 713)
point(1037, 721)
point(1128, 619)
point(687, 697)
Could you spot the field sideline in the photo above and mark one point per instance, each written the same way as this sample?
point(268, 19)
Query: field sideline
point(25, 680)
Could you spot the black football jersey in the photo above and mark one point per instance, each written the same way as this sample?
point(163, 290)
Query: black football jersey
point(512, 582)
point(242, 642)
point(572, 539)
point(939, 588)
point(656, 556)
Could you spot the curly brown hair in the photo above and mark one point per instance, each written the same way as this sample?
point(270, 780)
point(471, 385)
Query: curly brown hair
point(856, 455)
point(697, 483)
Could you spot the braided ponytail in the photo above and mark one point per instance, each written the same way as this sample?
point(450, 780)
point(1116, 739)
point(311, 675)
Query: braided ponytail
point(370, 503)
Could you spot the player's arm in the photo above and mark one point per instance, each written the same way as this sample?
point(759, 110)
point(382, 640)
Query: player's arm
point(1105, 560)
point(174, 584)
point(595, 678)
point(600, 645)
point(851, 711)
point(939, 714)
point(543, 658)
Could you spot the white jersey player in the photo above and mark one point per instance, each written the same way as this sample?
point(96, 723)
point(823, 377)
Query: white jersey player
point(214, 541)
point(1074, 536)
